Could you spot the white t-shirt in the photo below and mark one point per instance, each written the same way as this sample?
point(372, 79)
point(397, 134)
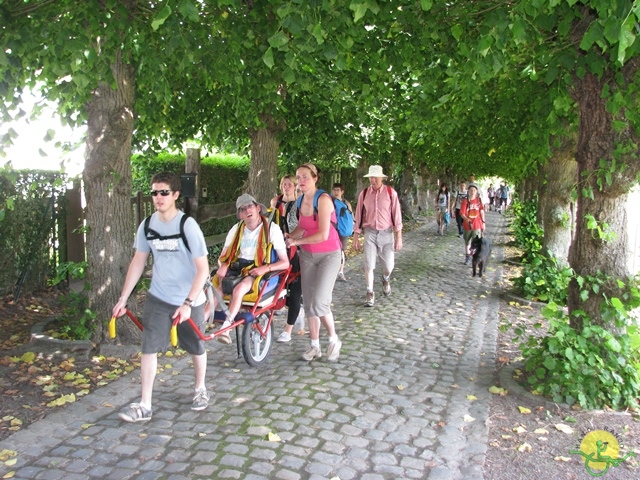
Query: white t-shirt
point(249, 240)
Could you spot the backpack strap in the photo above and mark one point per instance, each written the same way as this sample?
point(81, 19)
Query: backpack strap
point(316, 196)
point(151, 234)
point(390, 192)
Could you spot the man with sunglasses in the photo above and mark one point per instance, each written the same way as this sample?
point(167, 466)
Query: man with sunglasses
point(176, 292)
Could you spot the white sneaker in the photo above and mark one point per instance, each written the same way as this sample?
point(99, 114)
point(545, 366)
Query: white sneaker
point(284, 338)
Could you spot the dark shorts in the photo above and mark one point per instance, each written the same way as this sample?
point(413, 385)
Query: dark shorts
point(344, 241)
point(157, 323)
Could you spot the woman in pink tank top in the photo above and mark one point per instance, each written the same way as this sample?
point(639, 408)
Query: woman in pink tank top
point(320, 257)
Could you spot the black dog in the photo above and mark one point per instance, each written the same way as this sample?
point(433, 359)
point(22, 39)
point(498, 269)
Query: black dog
point(480, 251)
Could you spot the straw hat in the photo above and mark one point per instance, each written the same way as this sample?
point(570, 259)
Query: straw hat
point(375, 171)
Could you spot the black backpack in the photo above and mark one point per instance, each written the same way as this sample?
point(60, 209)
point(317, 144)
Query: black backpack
point(151, 234)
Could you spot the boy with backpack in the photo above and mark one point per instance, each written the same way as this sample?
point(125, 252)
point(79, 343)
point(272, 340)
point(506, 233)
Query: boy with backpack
point(180, 270)
point(344, 214)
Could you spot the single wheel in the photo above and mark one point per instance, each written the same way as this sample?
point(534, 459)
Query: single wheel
point(255, 347)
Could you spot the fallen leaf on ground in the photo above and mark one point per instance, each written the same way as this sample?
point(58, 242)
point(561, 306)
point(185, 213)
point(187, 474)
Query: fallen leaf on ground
point(468, 418)
point(524, 410)
point(519, 429)
point(471, 398)
point(525, 447)
point(541, 431)
point(273, 437)
point(564, 428)
point(498, 391)
point(562, 459)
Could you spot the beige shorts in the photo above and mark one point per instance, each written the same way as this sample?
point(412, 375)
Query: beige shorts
point(379, 244)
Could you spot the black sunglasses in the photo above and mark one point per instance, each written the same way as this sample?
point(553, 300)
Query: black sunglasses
point(164, 193)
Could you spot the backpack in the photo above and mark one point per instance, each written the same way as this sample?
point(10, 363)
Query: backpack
point(345, 218)
point(283, 213)
point(315, 210)
point(151, 234)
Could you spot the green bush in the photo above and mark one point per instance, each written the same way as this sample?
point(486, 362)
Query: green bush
point(543, 280)
point(77, 320)
point(30, 203)
point(590, 366)
point(526, 231)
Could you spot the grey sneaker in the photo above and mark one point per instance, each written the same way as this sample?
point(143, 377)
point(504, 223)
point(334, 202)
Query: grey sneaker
point(467, 259)
point(135, 413)
point(386, 286)
point(371, 298)
point(341, 277)
point(311, 354)
point(200, 400)
point(284, 338)
point(333, 351)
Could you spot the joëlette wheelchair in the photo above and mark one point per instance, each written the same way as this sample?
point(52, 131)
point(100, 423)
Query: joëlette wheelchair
point(268, 295)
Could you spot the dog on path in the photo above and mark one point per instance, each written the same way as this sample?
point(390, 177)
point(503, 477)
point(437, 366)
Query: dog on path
point(480, 251)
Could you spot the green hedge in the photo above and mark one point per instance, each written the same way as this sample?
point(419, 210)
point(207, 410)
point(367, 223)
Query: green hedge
point(31, 202)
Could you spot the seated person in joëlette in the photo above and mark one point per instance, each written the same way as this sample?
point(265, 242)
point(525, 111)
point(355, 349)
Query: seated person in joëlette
point(246, 249)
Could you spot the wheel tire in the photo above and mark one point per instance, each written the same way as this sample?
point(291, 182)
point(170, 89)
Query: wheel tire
point(256, 349)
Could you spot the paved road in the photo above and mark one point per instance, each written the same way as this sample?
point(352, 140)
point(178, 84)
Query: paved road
point(396, 404)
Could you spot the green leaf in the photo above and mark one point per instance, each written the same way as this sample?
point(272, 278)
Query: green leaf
point(456, 31)
point(627, 37)
point(50, 135)
point(569, 353)
point(359, 10)
point(289, 76)
point(161, 17)
point(267, 58)
point(318, 34)
point(594, 33)
point(278, 40)
point(613, 344)
point(426, 5)
point(189, 10)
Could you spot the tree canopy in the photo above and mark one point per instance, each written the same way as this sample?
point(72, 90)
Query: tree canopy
point(482, 86)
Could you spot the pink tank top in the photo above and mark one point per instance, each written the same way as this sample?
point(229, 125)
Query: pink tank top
point(310, 226)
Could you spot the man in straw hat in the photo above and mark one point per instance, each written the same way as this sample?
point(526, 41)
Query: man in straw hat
point(378, 215)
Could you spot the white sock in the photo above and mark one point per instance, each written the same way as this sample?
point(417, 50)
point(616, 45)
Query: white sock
point(315, 343)
point(333, 339)
point(145, 406)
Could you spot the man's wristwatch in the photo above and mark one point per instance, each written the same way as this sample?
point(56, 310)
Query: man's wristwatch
point(188, 301)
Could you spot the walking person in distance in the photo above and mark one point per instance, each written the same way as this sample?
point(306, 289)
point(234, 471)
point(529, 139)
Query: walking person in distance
point(472, 213)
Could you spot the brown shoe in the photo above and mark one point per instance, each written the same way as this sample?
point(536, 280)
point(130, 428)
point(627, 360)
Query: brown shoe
point(386, 286)
point(311, 354)
point(371, 298)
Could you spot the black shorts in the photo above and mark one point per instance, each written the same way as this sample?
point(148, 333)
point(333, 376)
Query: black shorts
point(157, 324)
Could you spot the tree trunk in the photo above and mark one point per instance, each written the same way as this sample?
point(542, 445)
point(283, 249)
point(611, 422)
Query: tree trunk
point(558, 178)
point(263, 171)
point(589, 253)
point(406, 187)
point(107, 187)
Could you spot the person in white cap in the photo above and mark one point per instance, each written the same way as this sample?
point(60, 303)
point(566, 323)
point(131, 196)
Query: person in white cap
point(379, 217)
point(245, 247)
